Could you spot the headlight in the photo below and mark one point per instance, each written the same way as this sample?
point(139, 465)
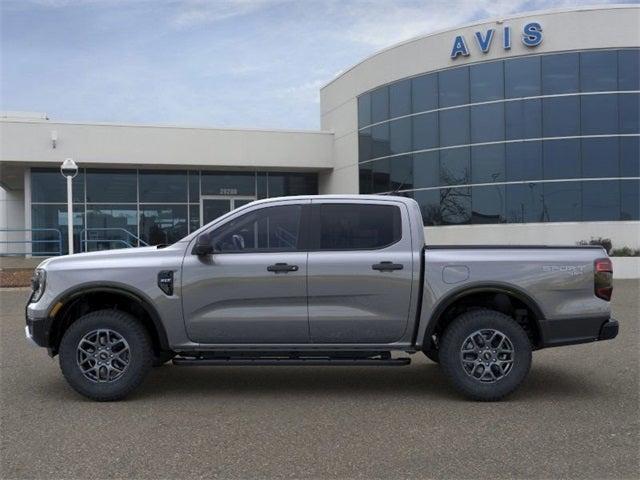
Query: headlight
point(38, 283)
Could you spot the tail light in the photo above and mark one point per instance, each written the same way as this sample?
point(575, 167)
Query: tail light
point(603, 278)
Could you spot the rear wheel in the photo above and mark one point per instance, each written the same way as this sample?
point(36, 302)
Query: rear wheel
point(485, 354)
point(105, 355)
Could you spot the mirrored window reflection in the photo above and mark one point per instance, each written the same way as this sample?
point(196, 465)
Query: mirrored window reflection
point(51, 223)
point(561, 116)
point(488, 204)
point(365, 145)
point(163, 224)
point(629, 69)
point(429, 201)
point(380, 105)
point(400, 98)
point(560, 73)
point(425, 131)
point(401, 176)
point(523, 119)
point(381, 175)
point(400, 135)
point(364, 110)
point(630, 156)
point(426, 169)
point(524, 203)
point(561, 159)
point(112, 186)
point(562, 202)
point(287, 184)
point(487, 164)
point(455, 205)
point(522, 77)
point(600, 157)
point(424, 93)
point(455, 166)
point(599, 114)
point(194, 218)
point(599, 71)
point(600, 201)
point(111, 226)
point(49, 186)
point(228, 183)
point(454, 127)
point(523, 161)
point(262, 185)
point(487, 123)
point(366, 178)
point(487, 81)
point(194, 186)
point(380, 141)
point(163, 186)
point(630, 200)
point(453, 87)
point(629, 113)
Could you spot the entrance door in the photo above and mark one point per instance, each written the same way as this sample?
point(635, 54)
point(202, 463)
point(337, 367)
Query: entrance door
point(214, 206)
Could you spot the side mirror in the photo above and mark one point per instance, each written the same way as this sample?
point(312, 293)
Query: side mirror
point(203, 245)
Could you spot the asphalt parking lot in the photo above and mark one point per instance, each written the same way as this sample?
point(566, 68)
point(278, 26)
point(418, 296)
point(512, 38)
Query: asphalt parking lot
point(577, 416)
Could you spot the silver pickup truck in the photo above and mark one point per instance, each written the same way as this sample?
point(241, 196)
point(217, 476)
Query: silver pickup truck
point(317, 280)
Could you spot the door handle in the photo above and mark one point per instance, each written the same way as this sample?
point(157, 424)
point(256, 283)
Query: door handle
point(387, 266)
point(282, 268)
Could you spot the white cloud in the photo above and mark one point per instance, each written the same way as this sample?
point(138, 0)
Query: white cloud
point(381, 23)
point(199, 12)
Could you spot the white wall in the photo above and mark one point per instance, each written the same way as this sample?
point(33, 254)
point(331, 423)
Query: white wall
point(622, 234)
point(29, 141)
point(11, 217)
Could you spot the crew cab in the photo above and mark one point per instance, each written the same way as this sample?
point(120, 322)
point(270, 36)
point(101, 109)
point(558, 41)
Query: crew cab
point(317, 280)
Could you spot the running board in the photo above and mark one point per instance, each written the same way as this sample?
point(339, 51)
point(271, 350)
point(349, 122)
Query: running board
point(310, 361)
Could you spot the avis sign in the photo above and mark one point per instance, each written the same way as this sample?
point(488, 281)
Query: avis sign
point(531, 37)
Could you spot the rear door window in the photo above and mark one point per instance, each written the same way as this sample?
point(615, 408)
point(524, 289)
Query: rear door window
point(358, 226)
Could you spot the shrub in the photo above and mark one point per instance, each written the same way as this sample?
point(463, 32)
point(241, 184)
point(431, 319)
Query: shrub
point(603, 242)
point(625, 252)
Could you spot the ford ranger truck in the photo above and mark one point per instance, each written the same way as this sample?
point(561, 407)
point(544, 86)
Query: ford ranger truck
point(317, 280)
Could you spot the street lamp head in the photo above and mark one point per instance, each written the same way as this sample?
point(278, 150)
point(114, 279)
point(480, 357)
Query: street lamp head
point(69, 168)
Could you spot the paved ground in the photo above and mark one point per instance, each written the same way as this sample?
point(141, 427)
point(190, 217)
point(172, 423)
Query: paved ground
point(577, 416)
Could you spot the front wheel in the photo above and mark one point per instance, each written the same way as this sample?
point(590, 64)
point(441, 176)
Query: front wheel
point(485, 354)
point(105, 355)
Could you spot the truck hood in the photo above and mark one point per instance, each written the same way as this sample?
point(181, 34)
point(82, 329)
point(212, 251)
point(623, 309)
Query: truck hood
point(104, 258)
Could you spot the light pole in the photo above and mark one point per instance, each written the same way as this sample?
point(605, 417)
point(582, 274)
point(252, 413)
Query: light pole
point(69, 169)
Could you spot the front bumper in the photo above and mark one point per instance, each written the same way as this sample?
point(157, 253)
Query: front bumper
point(578, 330)
point(38, 331)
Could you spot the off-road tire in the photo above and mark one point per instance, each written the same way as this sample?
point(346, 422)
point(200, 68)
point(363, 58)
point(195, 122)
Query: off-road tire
point(140, 357)
point(456, 335)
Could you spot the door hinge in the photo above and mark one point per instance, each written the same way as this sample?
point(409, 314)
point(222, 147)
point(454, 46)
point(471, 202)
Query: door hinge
point(165, 281)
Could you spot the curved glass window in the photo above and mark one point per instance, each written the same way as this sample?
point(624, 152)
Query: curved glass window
point(560, 73)
point(453, 87)
point(549, 130)
point(424, 93)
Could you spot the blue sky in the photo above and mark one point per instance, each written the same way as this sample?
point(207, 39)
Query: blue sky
point(226, 63)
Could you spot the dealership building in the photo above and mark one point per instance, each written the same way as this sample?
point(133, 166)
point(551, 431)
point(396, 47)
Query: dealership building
point(510, 131)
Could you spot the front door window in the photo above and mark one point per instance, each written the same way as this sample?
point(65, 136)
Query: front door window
point(213, 206)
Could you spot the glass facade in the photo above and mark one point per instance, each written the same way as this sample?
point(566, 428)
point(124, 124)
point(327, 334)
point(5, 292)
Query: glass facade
point(542, 138)
point(115, 208)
